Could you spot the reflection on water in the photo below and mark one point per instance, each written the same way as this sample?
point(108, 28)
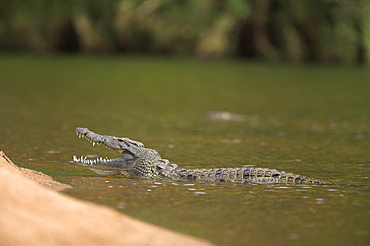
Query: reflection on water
point(312, 121)
point(216, 115)
point(236, 213)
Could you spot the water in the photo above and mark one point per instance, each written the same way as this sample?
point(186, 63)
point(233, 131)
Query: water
point(309, 120)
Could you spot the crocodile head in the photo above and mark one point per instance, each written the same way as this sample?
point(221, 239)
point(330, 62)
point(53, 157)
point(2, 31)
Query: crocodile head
point(131, 154)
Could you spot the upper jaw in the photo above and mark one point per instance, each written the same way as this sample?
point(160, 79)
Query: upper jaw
point(110, 142)
point(95, 139)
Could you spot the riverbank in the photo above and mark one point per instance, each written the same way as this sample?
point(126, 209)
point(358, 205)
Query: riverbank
point(32, 213)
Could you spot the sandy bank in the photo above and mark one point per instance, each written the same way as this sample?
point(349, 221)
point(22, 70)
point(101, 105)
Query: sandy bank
point(31, 213)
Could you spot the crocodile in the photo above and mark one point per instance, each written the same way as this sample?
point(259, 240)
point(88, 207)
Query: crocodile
point(137, 161)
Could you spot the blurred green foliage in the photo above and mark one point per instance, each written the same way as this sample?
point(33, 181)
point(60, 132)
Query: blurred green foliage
point(331, 31)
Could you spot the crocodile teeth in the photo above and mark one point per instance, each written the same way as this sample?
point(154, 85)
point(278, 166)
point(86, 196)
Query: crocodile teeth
point(84, 160)
point(98, 143)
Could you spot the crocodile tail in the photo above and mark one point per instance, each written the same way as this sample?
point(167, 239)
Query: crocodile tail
point(265, 175)
point(248, 175)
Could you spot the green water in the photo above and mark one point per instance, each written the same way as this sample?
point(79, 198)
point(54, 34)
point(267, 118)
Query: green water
point(309, 120)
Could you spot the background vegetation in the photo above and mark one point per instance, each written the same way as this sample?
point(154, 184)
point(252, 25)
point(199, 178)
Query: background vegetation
point(328, 31)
